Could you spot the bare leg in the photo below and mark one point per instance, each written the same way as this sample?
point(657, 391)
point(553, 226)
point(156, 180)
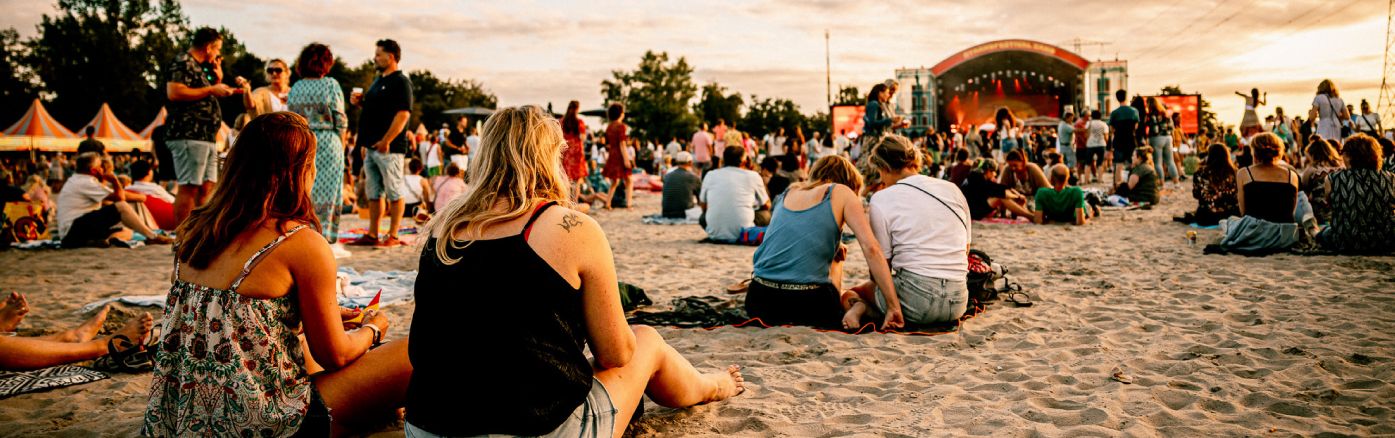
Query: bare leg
point(12, 312)
point(666, 376)
point(369, 391)
point(189, 195)
point(1012, 206)
point(22, 354)
point(206, 193)
point(394, 217)
point(132, 220)
point(375, 214)
point(629, 194)
point(614, 184)
point(82, 333)
point(855, 303)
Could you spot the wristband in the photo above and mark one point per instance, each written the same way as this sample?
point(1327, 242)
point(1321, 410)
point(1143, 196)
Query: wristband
point(377, 334)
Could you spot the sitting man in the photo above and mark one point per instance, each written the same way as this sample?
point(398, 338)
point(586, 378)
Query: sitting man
point(90, 213)
point(158, 201)
point(1022, 176)
point(1061, 202)
point(730, 197)
point(987, 197)
point(681, 186)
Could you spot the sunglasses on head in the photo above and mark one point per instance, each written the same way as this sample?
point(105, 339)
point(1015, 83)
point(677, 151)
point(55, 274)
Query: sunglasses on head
point(274, 70)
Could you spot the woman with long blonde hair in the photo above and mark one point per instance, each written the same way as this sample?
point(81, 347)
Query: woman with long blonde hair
point(543, 279)
point(799, 264)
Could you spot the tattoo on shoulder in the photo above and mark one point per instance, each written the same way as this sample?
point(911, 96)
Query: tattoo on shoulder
point(569, 221)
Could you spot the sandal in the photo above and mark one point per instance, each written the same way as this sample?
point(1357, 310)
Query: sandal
point(1019, 298)
point(124, 356)
point(740, 287)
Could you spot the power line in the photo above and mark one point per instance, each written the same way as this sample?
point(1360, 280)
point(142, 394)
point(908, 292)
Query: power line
point(1213, 27)
point(1184, 29)
point(1207, 61)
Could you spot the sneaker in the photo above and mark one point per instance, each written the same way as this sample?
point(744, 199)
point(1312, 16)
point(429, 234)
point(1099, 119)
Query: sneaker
point(340, 252)
point(366, 240)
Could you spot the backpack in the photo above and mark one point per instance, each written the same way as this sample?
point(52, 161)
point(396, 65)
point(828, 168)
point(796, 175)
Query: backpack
point(983, 276)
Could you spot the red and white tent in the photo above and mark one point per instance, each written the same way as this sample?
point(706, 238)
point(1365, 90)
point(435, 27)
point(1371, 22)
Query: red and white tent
point(115, 134)
point(159, 120)
point(38, 130)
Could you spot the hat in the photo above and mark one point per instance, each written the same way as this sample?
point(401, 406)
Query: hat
point(682, 157)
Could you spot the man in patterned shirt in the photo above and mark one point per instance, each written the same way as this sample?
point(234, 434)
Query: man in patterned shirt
point(191, 128)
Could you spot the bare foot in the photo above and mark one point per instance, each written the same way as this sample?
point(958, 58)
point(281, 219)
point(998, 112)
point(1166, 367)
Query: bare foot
point(159, 240)
point(12, 312)
point(728, 383)
point(137, 329)
point(852, 319)
point(88, 330)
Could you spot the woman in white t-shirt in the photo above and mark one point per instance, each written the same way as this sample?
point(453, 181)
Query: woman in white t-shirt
point(922, 225)
point(1329, 111)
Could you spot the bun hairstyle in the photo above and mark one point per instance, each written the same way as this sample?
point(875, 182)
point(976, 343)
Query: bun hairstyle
point(1266, 147)
point(894, 152)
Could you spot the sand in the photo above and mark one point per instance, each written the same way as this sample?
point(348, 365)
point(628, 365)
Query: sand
point(1215, 345)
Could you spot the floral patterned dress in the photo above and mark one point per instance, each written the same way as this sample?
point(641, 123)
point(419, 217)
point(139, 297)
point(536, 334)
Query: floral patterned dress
point(228, 364)
point(321, 102)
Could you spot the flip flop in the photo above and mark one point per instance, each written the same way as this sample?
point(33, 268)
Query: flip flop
point(740, 287)
point(124, 356)
point(1019, 298)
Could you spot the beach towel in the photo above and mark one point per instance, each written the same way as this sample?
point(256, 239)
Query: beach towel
point(134, 300)
point(1204, 227)
point(659, 219)
point(136, 242)
point(16, 383)
point(709, 312)
point(355, 233)
point(357, 289)
point(23, 222)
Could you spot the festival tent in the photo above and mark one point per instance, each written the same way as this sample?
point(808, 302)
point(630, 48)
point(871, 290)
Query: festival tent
point(38, 130)
point(150, 129)
point(116, 135)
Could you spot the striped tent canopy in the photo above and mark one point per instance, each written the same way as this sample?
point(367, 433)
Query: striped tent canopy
point(159, 120)
point(115, 134)
point(37, 129)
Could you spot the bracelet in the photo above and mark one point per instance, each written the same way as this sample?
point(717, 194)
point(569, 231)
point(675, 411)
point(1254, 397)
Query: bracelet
point(377, 334)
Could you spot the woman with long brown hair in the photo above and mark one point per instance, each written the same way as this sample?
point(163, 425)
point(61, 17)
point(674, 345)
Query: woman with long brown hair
point(231, 359)
point(619, 164)
point(1322, 160)
point(1213, 186)
point(574, 157)
point(515, 243)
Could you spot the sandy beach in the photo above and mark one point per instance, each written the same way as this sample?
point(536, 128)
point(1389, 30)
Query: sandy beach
point(1215, 345)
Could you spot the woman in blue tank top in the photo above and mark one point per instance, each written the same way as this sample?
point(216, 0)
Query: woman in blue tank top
point(799, 265)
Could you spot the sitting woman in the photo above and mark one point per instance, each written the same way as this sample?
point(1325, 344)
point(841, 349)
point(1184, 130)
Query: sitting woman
point(509, 245)
point(922, 225)
point(1322, 160)
point(448, 187)
point(1271, 204)
point(1142, 185)
point(247, 282)
point(799, 265)
point(73, 345)
point(987, 197)
point(1362, 200)
point(1213, 186)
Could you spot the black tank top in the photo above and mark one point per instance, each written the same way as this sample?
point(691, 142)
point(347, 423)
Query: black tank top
point(496, 341)
point(1270, 200)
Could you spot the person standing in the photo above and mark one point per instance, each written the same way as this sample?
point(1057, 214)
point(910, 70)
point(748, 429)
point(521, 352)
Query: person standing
point(1367, 123)
point(194, 118)
point(386, 108)
point(1328, 111)
point(320, 100)
point(618, 164)
point(275, 96)
point(454, 149)
point(841, 143)
point(574, 157)
point(91, 144)
point(1160, 131)
point(1123, 127)
point(1065, 139)
point(702, 145)
point(719, 137)
point(1250, 125)
point(1096, 134)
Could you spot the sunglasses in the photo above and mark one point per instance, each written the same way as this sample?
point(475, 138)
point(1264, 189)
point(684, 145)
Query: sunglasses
point(274, 70)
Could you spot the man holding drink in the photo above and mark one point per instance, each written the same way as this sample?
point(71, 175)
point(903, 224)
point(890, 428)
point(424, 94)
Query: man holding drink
point(191, 127)
point(387, 106)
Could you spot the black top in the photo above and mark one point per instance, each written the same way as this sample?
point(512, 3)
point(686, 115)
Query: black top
point(776, 186)
point(681, 187)
point(977, 191)
point(456, 138)
point(1272, 201)
point(497, 341)
point(92, 145)
point(10, 193)
point(193, 120)
point(385, 98)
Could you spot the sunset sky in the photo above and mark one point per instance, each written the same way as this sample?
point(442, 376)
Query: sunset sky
point(544, 51)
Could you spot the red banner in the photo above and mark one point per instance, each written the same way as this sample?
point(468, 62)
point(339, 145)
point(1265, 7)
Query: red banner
point(1189, 106)
point(847, 120)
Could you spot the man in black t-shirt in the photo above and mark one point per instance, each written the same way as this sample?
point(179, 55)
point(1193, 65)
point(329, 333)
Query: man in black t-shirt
point(387, 106)
point(1123, 127)
point(455, 143)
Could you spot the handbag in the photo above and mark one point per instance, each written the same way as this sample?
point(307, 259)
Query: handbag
point(1345, 129)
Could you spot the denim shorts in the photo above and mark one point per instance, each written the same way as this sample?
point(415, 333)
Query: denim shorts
point(595, 418)
point(927, 300)
point(383, 173)
point(195, 161)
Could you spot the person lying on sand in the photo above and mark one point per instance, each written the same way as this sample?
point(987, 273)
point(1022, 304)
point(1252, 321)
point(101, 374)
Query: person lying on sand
point(246, 282)
point(77, 344)
point(799, 265)
point(922, 224)
point(513, 243)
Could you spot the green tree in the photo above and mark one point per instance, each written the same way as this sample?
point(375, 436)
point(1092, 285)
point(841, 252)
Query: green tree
point(95, 51)
point(768, 115)
point(16, 84)
point(716, 104)
point(1209, 122)
point(819, 122)
point(848, 95)
point(656, 96)
point(435, 95)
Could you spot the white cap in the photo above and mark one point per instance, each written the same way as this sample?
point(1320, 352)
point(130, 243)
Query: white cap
point(682, 157)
